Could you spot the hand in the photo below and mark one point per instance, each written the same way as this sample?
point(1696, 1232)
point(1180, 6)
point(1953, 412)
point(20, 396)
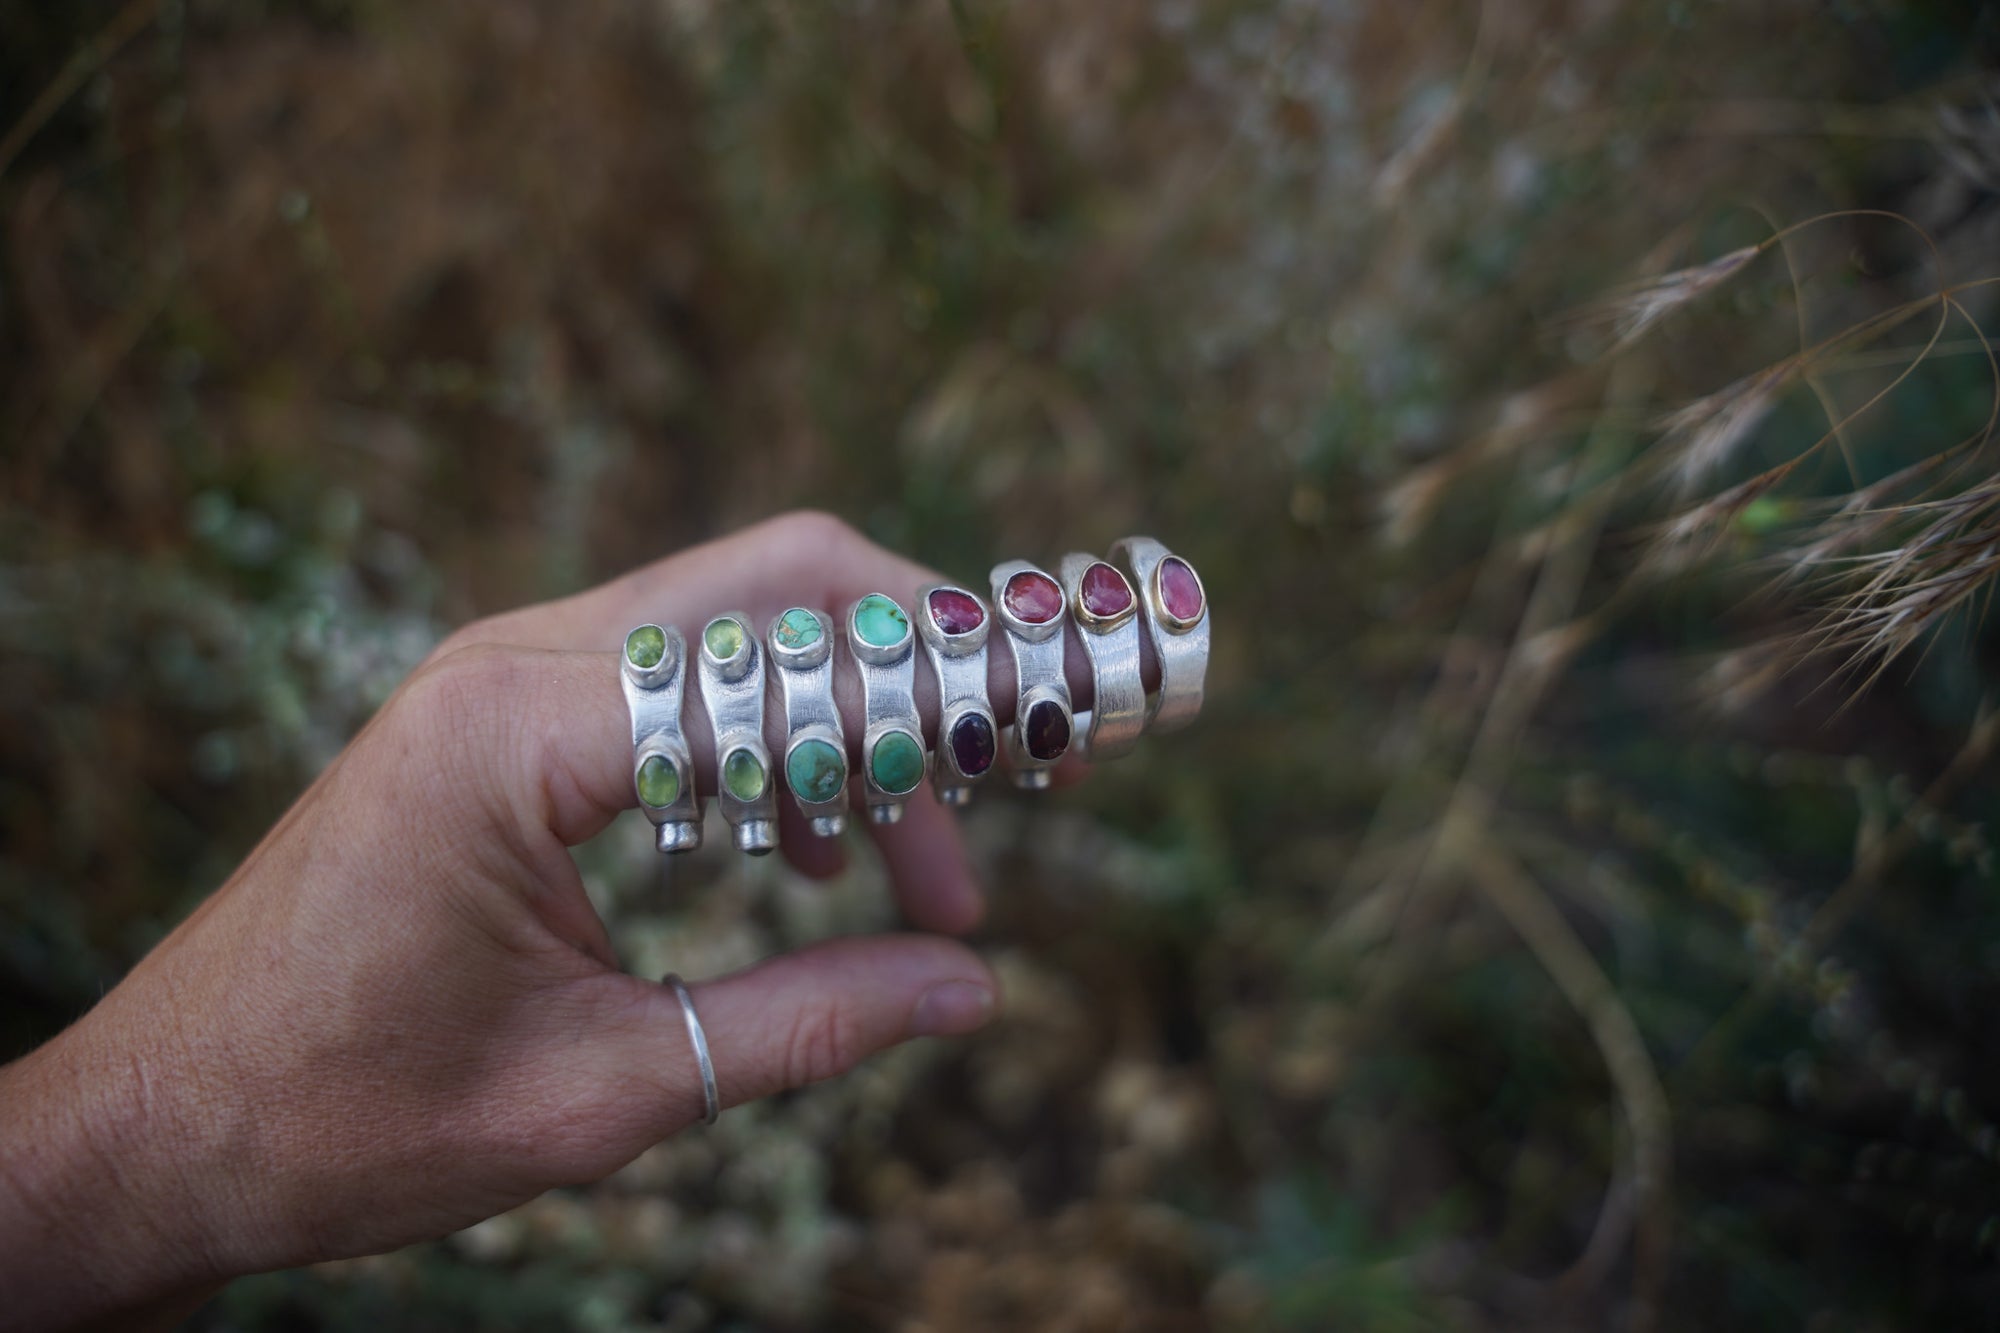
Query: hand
point(401, 1014)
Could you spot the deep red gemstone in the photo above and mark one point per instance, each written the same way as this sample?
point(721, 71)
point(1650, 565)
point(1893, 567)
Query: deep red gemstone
point(1033, 597)
point(956, 612)
point(972, 744)
point(1180, 591)
point(1048, 730)
point(1105, 592)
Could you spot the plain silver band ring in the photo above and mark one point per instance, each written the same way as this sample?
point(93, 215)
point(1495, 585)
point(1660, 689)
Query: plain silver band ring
point(711, 1100)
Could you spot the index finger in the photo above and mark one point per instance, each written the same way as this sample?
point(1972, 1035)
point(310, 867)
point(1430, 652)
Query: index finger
point(799, 559)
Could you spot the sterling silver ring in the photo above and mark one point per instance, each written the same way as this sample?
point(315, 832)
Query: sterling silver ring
point(651, 670)
point(1176, 617)
point(954, 623)
point(1029, 605)
point(711, 1100)
point(801, 644)
point(1105, 609)
point(893, 761)
point(732, 689)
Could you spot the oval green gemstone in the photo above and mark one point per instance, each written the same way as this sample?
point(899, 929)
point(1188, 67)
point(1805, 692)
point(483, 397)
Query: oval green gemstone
point(816, 771)
point(645, 646)
point(743, 775)
point(879, 621)
point(798, 628)
point(657, 782)
point(724, 637)
point(897, 764)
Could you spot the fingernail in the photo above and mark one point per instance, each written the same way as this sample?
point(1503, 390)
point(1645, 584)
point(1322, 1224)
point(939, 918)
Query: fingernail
point(950, 1009)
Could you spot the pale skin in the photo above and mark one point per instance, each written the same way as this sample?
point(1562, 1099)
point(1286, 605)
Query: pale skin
point(401, 1014)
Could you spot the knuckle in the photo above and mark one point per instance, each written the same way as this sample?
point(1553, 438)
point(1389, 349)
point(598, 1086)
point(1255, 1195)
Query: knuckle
point(464, 637)
point(816, 529)
point(461, 692)
point(821, 1041)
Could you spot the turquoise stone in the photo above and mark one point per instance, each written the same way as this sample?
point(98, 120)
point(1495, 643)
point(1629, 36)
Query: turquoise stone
point(657, 782)
point(743, 775)
point(724, 637)
point(897, 764)
point(816, 771)
point(798, 628)
point(880, 621)
point(645, 646)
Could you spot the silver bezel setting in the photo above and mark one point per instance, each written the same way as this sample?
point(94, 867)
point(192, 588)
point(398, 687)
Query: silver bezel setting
point(732, 690)
point(888, 704)
point(1180, 645)
point(805, 683)
point(1116, 717)
point(653, 698)
point(1033, 631)
point(1037, 649)
point(874, 654)
point(958, 662)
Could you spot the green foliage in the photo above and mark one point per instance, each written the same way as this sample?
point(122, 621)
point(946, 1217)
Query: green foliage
point(1541, 927)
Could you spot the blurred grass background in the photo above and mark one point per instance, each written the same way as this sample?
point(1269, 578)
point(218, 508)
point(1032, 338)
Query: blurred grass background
point(1541, 929)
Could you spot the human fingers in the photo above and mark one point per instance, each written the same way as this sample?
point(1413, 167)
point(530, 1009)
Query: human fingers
point(802, 558)
point(925, 849)
point(786, 1022)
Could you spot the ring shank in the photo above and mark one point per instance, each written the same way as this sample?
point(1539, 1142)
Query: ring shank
point(710, 1098)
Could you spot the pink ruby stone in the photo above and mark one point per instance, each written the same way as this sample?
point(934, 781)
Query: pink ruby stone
point(1033, 598)
point(1180, 591)
point(1105, 592)
point(956, 612)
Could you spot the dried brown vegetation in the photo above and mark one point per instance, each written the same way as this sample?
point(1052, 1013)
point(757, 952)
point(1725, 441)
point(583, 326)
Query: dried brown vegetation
point(1466, 967)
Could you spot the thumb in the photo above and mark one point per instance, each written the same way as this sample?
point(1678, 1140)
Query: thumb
point(786, 1022)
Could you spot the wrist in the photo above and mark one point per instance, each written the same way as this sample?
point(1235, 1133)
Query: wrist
point(100, 1216)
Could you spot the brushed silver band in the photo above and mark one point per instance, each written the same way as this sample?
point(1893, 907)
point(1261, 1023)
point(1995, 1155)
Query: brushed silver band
point(653, 696)
point(1105, 609)
point(800, 641)
point(732, 690)
point(966, 732)
point(1034, 628)
point(890, 724)
point(711, 1100)
point(1180, 644)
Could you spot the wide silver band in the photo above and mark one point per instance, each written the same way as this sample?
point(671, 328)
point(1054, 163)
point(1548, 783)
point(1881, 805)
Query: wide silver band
point(801, 645)
point(1041, 689)
point(954, 623)
point(653, 696)
point(1110, 638)
point(892, 738)
point(732, 690)
point(1180, 642)
point(711, 1100)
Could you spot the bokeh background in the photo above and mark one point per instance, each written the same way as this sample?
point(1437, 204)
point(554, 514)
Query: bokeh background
point(1576, 907)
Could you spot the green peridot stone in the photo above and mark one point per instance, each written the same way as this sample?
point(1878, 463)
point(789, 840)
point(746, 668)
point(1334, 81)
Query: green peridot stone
point(816, 771)
point(880, 621)
point(743, 775)
point(897, 764)
point(798, 628)
point(657, 782)
point(724, 637)
point(645, 646)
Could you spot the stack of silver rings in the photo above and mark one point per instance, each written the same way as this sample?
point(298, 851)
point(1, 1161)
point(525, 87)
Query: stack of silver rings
point(1106, 601)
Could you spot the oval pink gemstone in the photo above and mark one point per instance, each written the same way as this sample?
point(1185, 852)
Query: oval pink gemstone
point(1180, 590)
point(1033, 597)
point(1104, 592)
point(955, 612)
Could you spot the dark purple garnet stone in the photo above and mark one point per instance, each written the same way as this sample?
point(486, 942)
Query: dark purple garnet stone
point(1048, 730)
point(972, 744)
